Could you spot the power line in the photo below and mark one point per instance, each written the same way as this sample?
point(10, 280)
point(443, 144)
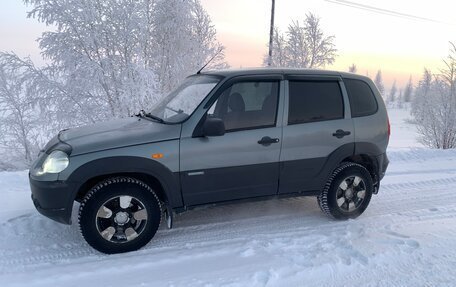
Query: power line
point(384, 11)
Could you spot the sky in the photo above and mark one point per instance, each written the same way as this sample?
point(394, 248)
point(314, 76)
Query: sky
point(400, 47)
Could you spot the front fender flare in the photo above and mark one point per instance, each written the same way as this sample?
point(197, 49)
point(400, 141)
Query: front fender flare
point(129, 164)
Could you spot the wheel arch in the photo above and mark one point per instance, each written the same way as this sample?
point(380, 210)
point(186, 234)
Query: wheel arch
point(363, 153)
point(148, 179)
point(366, 154)
point(367, 162)
point(159, 177)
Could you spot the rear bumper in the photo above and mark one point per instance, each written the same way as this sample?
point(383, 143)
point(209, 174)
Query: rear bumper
point(53, 199)
point(382, 161)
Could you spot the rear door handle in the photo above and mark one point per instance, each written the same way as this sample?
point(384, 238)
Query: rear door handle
point(341, 133)
point(268, 140)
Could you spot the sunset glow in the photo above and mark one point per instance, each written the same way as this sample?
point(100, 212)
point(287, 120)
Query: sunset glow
point(400, 47)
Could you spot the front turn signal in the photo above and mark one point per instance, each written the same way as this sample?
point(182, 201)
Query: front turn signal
point(157, 155)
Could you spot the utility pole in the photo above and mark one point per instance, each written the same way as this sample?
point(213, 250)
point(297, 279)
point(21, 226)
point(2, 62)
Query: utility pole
point(271, 34)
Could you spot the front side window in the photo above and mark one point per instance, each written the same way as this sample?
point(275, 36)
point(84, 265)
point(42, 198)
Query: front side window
point(180, 104)
point(313, 101)
point(247, 105)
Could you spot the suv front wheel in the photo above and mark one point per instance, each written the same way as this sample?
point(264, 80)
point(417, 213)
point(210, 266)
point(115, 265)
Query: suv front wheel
point(347, 192)
point(119, 214)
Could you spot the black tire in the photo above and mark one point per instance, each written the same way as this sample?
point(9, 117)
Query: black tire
point(137, 231)
point(344, 204)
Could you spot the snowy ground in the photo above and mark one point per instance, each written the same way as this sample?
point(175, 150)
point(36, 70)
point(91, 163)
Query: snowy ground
point(407, 237)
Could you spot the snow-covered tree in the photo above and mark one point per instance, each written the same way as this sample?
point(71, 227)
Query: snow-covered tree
point(279, 50)
point(297, 47)
point(392, 93)
point(422, 92)
point(97, 49)
point(434, 106)
point(303, 46)
point(379, 82)
point(321, 48)
point(352, 69)
point(400, 99)
point(408, 91)
point(183, 41)
point(114, 52)
point(20, 115)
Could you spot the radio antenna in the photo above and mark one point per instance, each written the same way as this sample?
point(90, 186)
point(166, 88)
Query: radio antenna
point(213, 57)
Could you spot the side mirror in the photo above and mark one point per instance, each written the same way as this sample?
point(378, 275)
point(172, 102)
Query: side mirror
point(213, 127)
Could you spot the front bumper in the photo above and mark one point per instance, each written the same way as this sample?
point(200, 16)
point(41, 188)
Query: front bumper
point(53, 199)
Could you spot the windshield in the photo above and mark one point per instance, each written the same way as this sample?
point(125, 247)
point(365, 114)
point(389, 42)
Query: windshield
point(180, 104)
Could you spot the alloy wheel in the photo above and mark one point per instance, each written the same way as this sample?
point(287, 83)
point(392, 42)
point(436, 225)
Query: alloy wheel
point(350, 193)
point(121, 219)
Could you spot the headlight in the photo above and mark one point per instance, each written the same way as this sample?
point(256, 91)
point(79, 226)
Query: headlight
point(55, 162)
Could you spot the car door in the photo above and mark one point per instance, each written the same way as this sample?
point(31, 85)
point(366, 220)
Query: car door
point(317, 134)
point(243, 162)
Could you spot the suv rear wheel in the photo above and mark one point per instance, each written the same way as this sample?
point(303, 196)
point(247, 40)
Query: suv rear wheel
point(118, 215)
point(347, 192)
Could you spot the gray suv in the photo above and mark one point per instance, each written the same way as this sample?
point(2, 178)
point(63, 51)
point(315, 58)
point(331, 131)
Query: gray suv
point(221, 136)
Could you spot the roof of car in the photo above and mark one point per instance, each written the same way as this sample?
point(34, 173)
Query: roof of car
point(285, 71)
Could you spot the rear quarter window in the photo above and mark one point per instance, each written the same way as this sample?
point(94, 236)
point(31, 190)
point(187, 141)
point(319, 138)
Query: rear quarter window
point(362, 99)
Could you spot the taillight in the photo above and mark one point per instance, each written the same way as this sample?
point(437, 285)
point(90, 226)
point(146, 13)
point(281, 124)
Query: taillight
point(389, 126)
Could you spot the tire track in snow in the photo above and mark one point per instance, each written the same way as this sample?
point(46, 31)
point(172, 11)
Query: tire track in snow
point(418, 185)
point(303, 218)
point(419, 154)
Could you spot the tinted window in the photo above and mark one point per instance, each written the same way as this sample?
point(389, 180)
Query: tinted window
point(362, 99)
point(247, 105)
point(312, 101)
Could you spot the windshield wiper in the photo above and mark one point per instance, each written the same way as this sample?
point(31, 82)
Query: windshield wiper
point(143, 114)
point(179, 111)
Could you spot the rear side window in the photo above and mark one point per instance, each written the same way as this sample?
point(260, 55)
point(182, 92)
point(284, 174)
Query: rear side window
point(362, 99)
point(313, 101)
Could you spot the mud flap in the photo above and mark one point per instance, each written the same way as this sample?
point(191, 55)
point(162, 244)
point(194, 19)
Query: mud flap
point(376, 187)
point(169, 217)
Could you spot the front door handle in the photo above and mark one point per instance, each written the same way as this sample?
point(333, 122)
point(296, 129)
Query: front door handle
point(268, 140)
point(341, 133)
